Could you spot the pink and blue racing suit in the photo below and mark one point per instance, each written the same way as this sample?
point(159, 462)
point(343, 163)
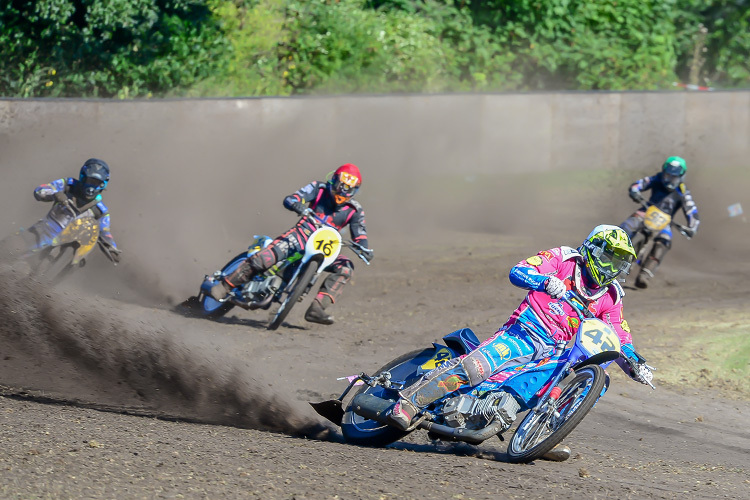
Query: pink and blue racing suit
point(532, 332)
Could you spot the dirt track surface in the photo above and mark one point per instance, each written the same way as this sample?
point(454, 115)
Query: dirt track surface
point(112, 393)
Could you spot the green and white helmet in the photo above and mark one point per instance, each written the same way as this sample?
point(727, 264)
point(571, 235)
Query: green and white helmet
point(673, 172)
point(607, 252)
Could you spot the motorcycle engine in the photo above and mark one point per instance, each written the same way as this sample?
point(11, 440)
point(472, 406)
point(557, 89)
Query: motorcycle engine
point(259, 289)
point(476, 413)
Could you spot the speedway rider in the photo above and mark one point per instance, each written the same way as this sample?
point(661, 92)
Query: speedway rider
point(668, 193)
point(542, 321)
point(84, 194)
point(331, 201)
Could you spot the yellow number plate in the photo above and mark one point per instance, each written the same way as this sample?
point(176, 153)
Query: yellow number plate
point(327, 241)
point(596, 336)
point(440, 357)
point(656, 220)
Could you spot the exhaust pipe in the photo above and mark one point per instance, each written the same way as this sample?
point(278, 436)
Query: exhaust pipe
point(374, 408)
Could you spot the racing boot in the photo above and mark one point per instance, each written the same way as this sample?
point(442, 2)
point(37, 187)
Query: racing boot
point(239, 276)
point(643, 277)
point(661, 247)
point(316, 312)
point(559, 453)
point(402, 414)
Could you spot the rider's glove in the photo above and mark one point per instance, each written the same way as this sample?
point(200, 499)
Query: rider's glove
point(60, 197)
point(642, 373)
point(298, 207)
point(636, 196)
point(639, 370)
point(115, 253)
point(555, 287)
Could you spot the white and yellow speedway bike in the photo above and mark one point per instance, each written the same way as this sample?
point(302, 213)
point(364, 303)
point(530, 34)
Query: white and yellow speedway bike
point(287, 282)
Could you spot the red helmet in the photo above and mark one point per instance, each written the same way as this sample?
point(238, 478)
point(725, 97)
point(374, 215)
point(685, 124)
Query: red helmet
point(345, 183)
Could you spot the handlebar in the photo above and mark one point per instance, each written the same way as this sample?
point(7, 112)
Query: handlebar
point(683, 230)
point(574, 300)
point(358, 249)
point(71, 206)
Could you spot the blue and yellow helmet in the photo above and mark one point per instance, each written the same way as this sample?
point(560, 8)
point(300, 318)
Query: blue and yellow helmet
point(94, 177)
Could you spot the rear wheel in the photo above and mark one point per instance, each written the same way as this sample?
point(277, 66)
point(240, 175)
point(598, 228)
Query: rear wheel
point(300, 287)
point(540, 431)
point(364, 432)
point(212, 307)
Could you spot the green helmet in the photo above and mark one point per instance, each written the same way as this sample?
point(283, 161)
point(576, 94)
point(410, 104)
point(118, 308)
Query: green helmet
point(673, 172)
point(607, 252)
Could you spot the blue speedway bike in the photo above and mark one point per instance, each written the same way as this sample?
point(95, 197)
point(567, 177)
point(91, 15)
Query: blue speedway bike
point(555, 393)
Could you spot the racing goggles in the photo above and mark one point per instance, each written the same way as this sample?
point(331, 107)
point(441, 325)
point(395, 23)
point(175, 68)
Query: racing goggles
point(671, 176)
point(93, 185)
point(612, 262)
point(345, 187)
point(94, 182)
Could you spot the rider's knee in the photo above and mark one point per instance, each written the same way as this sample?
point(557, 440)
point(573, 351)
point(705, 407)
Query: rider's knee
point(477, 367)
point(661, 247)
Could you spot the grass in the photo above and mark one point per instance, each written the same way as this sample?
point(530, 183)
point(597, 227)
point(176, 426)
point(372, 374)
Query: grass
point(710, 354)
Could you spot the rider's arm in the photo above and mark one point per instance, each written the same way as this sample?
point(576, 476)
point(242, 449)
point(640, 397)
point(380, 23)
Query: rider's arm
point(689, 208)
point(298, 200)
point(612, 315)
point(357, 226)
point(104, 226)
point(635, 191)
point(46, 192)
point(533, 273)
point(104, 232)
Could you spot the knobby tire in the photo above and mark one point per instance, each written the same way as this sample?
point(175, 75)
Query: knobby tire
point(383, 434)
point(300, 287)
point(56, 270)
point(591, 379)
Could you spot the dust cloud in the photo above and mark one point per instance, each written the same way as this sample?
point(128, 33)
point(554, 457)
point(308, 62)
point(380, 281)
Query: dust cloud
point(74, 349)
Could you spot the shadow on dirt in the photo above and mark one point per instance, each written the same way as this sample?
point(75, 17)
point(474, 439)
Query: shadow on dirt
point(191, 308)
point(447, 448)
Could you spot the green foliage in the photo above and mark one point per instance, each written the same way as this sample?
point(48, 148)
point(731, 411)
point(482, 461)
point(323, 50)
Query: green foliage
point(94, 48)
point(139, 48)
point(727, 49)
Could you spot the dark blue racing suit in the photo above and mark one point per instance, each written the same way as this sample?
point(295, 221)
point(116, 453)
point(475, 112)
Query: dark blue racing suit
point(41, 233)
point(667, 201)
point(61, 215)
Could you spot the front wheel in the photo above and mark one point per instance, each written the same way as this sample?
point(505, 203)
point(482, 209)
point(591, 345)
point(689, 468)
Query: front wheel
point(59, 266)
point(364, 432)
point(540, 431)
point(300, 287)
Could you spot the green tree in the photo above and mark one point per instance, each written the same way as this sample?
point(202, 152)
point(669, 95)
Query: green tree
point(123, 48)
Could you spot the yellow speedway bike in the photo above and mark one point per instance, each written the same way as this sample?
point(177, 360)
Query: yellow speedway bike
point(655, 220)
